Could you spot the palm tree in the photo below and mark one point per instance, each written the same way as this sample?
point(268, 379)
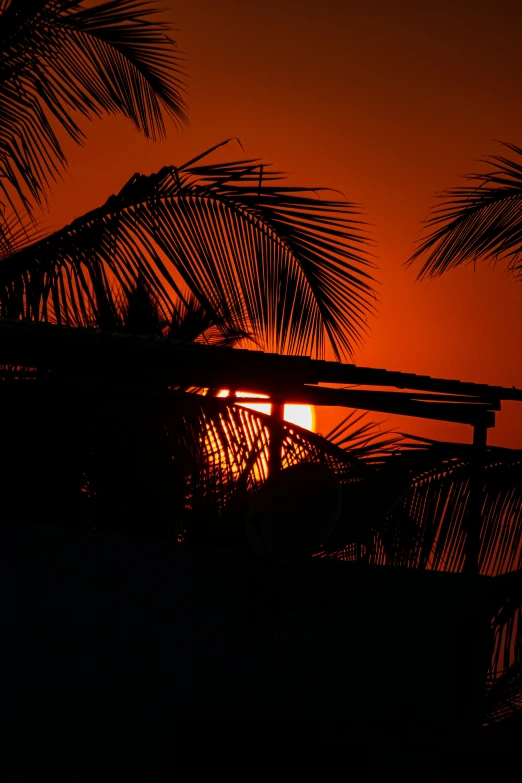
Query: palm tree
point(209, 252)
point(64, 59)
point(481, 221)
point(265, 262)
point(213, 252)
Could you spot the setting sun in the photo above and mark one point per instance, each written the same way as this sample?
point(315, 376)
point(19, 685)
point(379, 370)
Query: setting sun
point(302, 415)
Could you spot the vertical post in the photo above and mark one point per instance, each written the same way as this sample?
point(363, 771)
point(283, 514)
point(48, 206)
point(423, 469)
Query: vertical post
point(275, 447)
point(471, 639)
point(474, 516)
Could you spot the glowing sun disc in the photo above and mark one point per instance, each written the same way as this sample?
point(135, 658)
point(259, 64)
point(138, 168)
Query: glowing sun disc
point(302, 415)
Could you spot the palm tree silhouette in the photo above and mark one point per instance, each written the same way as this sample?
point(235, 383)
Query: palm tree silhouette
point(279, 262)
point(477, 222)
point(223, 253)
point(219, 253)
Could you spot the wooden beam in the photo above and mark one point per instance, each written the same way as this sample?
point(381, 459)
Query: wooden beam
point(397, 403)
point(118, 357)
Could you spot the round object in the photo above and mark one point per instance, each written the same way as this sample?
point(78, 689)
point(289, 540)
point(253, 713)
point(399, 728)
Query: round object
point(294, 513)
point(368, 500)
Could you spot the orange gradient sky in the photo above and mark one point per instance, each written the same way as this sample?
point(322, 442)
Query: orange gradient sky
point(389, 102)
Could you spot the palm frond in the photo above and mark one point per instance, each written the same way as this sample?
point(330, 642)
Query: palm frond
point(62, 59)
point(190, 322)
point(427, 530)
point(505, 682)
point(17, 230)
point(292, 264)
point(438, 503)
point(478, 222)
point(364, 438)
point(504, 697)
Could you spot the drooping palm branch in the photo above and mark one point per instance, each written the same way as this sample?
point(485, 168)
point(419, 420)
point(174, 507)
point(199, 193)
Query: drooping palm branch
point(438, 502)
point(478, 222)
point(65, 59)
point(427, 531)
point(277, 262)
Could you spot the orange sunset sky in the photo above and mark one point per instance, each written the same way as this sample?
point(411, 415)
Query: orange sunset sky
point(389, 102)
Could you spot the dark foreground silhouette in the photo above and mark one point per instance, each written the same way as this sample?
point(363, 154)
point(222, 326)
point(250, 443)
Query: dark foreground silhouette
point(132, 648)
point(125, 656)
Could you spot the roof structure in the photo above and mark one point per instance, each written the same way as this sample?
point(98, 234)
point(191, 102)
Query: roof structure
point(98, 355)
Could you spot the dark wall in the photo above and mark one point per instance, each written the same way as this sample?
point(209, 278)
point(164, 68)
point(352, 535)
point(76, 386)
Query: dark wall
point(112, 644)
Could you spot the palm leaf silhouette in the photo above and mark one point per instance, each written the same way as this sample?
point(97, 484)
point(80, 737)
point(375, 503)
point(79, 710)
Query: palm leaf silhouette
point(364, 437)
point(274, 261)
point(477, 222)
point(427, 531)
point(140, 314)
point(62, 60)
point(480, 222)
